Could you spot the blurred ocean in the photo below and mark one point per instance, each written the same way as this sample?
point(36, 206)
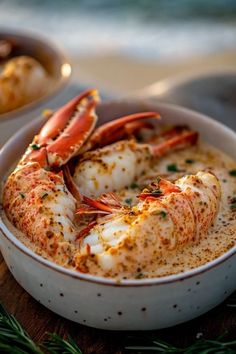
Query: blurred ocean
point(169, 30)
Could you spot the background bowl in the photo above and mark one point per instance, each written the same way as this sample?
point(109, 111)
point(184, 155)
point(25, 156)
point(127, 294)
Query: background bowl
point(48, 54)
point(128, 304)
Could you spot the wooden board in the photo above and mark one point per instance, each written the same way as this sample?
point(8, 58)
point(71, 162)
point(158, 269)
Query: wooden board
point(37, 320)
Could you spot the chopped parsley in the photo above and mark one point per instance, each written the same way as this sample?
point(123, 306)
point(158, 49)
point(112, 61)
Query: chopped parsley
point(139, 276)
point(232, 173)
point(155, 192)
point(233, 206)
point(172, 168)
point(22, 195)
point(134, 185)
point(44, 195)
point(35, 146)
point(128, 201)
point(163, 214)
point(189, 161)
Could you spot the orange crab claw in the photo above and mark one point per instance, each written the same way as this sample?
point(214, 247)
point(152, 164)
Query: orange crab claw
point(175, 142)
point(39, 155)
point(115, 130)
point(65, 132)
point(76, 133)
point(60, 119)
point(135, 127)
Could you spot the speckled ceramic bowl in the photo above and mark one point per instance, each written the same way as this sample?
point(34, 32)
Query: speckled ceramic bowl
point(130, 304)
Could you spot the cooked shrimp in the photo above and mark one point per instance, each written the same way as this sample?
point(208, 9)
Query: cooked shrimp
point(22, 80)
point(118, 165)
point(103, 236)
point(35, 197)
point(168, 216)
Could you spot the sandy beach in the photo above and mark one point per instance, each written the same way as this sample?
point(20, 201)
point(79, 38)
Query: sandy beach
point(125, 75)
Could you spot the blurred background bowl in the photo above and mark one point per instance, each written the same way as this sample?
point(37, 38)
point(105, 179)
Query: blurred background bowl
point(48, 55)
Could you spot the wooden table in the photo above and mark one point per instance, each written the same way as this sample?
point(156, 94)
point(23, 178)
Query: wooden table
point(37, 320)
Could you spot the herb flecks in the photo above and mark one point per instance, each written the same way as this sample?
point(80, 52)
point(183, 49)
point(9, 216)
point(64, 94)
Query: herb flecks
point(172, 168)
point(44, 195)
point(134, 185)
point(189, 161)
point(233, 206)
point(35, 146)
point(22, 195)
point(129, 201)
point(156, 192)
point(163, 214)
point(232, 173)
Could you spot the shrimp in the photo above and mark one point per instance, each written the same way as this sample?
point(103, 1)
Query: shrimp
point(22, 80)
point(127, 241)
point(118, 165)
point(36, 198)
point(102, 236)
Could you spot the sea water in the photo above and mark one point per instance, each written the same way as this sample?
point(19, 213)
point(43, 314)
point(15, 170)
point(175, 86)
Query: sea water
point(145, 29)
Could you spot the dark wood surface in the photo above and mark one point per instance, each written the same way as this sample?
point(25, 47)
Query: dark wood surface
point(37, 320)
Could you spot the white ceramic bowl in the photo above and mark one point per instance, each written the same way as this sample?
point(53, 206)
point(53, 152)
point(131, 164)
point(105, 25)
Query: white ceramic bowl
point(130, 304)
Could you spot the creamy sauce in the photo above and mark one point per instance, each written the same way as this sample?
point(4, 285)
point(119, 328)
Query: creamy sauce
point(221, 236)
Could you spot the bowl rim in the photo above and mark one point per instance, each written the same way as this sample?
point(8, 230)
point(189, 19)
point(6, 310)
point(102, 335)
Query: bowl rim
point(60, 83)
point(161, 87)
point(109, 281)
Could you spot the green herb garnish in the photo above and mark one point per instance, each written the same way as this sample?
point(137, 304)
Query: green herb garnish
point(200, 346)
point(233, 206)
point(156, 192)
point(172, 168)
point(139, 276)
point(128, 201)
point(134, 185)
point(35, 146)
point(163, 214)
point(189, 161)
point(22, 195)
point(55, 345)
point(44, 195)
point(13, 338)
point(232, 173)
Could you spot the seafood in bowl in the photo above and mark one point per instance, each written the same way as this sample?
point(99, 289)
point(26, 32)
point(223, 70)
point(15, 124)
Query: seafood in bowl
point(97, 200)
point(188, 281)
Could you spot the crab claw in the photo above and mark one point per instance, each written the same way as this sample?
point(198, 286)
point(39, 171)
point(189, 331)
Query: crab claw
point(65, 132)
point(176, 140)
point(115, 130)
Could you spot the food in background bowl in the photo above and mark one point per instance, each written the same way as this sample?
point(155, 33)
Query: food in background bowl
point(130, 199)
point(29, 82)
point(22, 80)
